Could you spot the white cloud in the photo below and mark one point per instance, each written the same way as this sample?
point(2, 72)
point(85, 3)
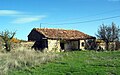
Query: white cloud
point(20, 17)
point(9, 12)
point(28, 19)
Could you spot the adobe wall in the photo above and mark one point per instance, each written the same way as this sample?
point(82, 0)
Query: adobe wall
point(53, 45)
point(71, 45)
point(82, 47)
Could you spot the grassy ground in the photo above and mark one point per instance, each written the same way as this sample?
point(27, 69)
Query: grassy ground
point(77, 63)
point(19, 59)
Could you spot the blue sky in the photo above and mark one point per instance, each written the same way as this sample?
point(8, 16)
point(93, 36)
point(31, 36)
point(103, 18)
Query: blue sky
point(23, 15)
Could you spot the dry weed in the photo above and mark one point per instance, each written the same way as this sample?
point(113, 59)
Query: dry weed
point(20, 58)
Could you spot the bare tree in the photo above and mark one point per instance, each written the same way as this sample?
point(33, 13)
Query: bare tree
point(7, 36)
point(108, 34)
point(115, 34)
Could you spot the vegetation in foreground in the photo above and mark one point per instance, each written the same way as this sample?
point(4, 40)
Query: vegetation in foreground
point(19, 59)
point(78, 63)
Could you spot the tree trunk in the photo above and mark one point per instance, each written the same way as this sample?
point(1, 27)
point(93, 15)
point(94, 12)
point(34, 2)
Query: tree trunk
point(7, 46)
point(114, 45)
point(106, 45)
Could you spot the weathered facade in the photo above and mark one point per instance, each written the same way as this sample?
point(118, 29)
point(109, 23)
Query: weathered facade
point(58, 39)
point(112, 45)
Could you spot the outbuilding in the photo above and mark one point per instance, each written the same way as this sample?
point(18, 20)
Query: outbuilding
point(58, 39)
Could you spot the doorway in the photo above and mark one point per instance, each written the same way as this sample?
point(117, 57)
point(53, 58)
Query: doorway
point(62, 46)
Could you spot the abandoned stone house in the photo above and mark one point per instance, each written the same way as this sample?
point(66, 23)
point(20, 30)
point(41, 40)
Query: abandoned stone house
point(58, 39)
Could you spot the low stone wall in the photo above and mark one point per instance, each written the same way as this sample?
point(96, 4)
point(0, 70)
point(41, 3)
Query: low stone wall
point(27, 44)
point(22, 45)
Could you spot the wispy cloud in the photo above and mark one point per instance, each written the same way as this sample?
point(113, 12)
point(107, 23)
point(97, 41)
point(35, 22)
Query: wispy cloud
point(21, 17)
point(28, 19)
point(9, 12)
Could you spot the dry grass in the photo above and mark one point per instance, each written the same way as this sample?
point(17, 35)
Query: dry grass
point(23, 58)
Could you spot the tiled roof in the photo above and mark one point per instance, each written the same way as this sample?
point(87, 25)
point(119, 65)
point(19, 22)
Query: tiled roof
point(62, 34)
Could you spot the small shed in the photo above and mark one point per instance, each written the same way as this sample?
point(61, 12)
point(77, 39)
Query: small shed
point(58, 39)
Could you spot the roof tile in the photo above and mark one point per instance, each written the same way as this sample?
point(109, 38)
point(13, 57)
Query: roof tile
point(62, 33)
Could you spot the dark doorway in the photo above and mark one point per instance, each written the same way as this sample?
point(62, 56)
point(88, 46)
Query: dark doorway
point(40, 45)
point(62, 46)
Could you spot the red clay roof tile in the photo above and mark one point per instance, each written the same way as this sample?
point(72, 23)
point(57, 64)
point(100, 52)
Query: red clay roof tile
point(62, 34)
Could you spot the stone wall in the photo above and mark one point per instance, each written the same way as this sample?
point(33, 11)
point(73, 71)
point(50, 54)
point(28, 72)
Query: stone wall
point(71, 45)
point(82, 44)
point(53, 45)
point(112, 45)
point(22, 45)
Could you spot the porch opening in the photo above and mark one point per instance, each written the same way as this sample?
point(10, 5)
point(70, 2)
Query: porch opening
point(82, 44)
point(62, 46)
point(40, 45)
